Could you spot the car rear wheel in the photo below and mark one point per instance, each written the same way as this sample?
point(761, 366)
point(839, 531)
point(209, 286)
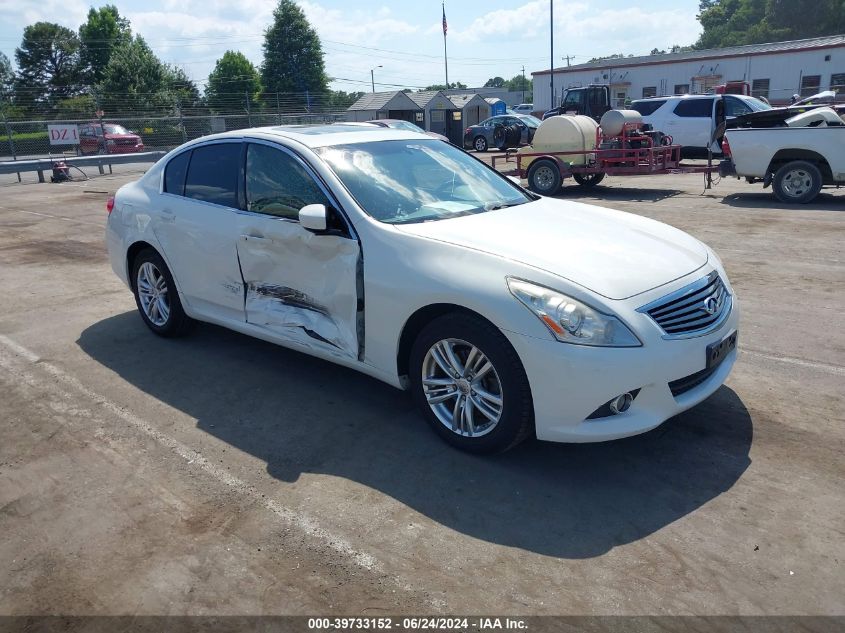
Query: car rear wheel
point(544, 177)
point(797, 182)
point(587, 181)
point(470, 385)
point(156, 296)
point(480, 144)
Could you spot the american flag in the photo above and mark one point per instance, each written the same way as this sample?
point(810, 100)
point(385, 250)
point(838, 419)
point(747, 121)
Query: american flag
point(445, 27)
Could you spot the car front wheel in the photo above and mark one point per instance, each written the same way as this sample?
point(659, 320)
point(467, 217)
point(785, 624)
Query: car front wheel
point(470, 385)
point(480, 144)
point(156, 295)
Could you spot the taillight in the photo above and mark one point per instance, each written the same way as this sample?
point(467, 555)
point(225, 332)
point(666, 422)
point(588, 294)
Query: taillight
point(110, 204)
point(726, 147)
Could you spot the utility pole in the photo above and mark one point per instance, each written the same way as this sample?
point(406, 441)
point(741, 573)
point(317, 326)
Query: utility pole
point(552, 52)
point(372, 77)
point(566, 57)
point(523, 84)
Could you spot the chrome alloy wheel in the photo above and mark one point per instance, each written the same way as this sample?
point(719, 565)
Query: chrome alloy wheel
point(480, 144)
point(152, 293)
point(544, 178)
point(462, 387)
point(796, 183)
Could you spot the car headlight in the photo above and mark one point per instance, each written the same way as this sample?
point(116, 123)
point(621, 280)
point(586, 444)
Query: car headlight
point(570, 320)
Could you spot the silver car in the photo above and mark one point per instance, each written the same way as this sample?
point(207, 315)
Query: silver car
point(489, 133)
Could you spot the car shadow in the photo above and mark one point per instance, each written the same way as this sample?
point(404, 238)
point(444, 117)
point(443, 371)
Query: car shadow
point(628, 194)
point(302, 415)
point(766, 201)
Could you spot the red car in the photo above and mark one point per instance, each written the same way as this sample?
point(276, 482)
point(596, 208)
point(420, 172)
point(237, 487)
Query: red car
point(117, 140)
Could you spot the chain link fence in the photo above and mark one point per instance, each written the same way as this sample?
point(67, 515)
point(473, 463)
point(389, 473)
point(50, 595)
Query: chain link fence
point(161, 124)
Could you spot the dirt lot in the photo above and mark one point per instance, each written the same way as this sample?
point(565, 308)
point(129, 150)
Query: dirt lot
point(221, 475)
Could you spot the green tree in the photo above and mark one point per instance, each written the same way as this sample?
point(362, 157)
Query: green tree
point(340, 100)
point(134, 80)
point(293, 55)
point(738, 22)
point(102, 32)
point(453, 85)
point(7, 76)
point(494, 82)
point(517, 83)
point(181, 90)
point(233, 82)
point(48, 63)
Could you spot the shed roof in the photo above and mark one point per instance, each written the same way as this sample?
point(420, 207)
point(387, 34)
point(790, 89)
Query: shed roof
point(424, 99)
point(394, 100)
point(830, 41)
point(467, 100)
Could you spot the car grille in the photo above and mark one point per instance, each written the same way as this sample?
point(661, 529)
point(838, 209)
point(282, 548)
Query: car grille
point(693, 310)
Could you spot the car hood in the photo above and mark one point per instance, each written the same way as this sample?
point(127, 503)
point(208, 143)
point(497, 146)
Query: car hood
point(615, 254)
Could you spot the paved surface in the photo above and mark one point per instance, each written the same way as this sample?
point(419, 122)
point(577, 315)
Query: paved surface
point(220, 475)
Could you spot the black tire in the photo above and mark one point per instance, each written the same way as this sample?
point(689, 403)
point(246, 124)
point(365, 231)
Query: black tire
point(499, 136)
point(516, 420)
point(544, 177)
point(480, 144)
point(178, 323)
point(588, 181)
point(797, 182)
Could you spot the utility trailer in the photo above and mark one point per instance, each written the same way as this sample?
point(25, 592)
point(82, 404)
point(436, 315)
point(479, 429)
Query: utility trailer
point(630, 153)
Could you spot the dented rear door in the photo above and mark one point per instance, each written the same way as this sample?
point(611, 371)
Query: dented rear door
point(304, 287)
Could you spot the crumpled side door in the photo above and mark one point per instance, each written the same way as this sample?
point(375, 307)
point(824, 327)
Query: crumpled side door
point(302, 286)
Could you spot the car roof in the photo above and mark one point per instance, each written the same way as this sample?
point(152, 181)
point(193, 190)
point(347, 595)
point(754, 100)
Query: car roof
point(322, 135)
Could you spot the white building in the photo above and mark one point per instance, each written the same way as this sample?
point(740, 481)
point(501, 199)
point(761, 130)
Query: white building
point(775, 71)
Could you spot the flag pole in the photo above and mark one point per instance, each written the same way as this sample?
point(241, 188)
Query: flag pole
point(445, 57)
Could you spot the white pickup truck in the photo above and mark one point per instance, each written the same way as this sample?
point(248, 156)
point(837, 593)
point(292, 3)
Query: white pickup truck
point(797, 160)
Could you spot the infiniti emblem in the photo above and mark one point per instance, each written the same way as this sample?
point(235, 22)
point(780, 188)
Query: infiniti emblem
point(711, 305)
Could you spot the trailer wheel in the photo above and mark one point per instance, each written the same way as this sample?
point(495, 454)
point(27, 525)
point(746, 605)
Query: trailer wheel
point(588, 181)
point(797, 182)
point(544, 177)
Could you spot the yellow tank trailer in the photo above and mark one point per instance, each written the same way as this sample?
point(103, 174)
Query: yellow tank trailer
point(563, 133)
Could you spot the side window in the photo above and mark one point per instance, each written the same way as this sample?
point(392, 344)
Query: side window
point(574, 98)
point(647, 107)
point(735, 107)
point(277, 184)
point(174, 174)
point(213, 174)
point(695, 108)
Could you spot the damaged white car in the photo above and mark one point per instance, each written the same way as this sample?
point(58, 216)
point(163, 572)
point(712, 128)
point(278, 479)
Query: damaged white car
point(506, 314)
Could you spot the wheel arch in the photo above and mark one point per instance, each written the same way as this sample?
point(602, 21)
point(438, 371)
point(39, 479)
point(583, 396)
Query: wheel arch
point(132, 253)
point(784, 156)
point(415, 324)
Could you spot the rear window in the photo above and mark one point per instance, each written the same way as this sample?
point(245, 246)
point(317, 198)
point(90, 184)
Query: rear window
point(695, 108)
point(174, 174)
point(213, 174)
point(647, 107)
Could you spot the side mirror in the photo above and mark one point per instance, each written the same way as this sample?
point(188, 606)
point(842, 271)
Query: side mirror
point(313, 217)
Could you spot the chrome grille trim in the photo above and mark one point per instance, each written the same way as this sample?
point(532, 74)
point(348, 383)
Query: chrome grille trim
point(682, 314)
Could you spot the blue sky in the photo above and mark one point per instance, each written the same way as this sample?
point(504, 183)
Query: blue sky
point(485, 39)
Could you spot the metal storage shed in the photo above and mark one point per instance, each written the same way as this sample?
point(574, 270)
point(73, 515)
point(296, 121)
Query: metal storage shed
point(473, 107)
point(441, 115)
point(385, 105)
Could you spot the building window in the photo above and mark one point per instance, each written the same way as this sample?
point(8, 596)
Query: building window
point(681, 89)
point(419, 116)
point(437, 116)
point(810, 85)
point(837, 82)
point(456, 115)
point(650, 91)
point(760, 88)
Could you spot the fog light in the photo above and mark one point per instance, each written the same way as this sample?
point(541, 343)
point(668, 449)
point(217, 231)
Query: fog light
point(622, 403)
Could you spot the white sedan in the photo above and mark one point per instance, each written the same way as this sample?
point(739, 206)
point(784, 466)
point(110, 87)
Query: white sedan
point(505, 314)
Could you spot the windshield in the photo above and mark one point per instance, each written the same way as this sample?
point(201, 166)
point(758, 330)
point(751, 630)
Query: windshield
point(115, 129)
point(755, 104)
point(530, 121)
point(405, 125)
point(407, 181)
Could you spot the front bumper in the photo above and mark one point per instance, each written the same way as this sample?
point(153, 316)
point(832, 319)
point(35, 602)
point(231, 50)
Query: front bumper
point(569, 382)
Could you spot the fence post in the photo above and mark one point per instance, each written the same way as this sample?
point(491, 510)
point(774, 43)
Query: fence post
point(181, 121)
point(278, 109)
point(248, 109)
point(11, 140)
